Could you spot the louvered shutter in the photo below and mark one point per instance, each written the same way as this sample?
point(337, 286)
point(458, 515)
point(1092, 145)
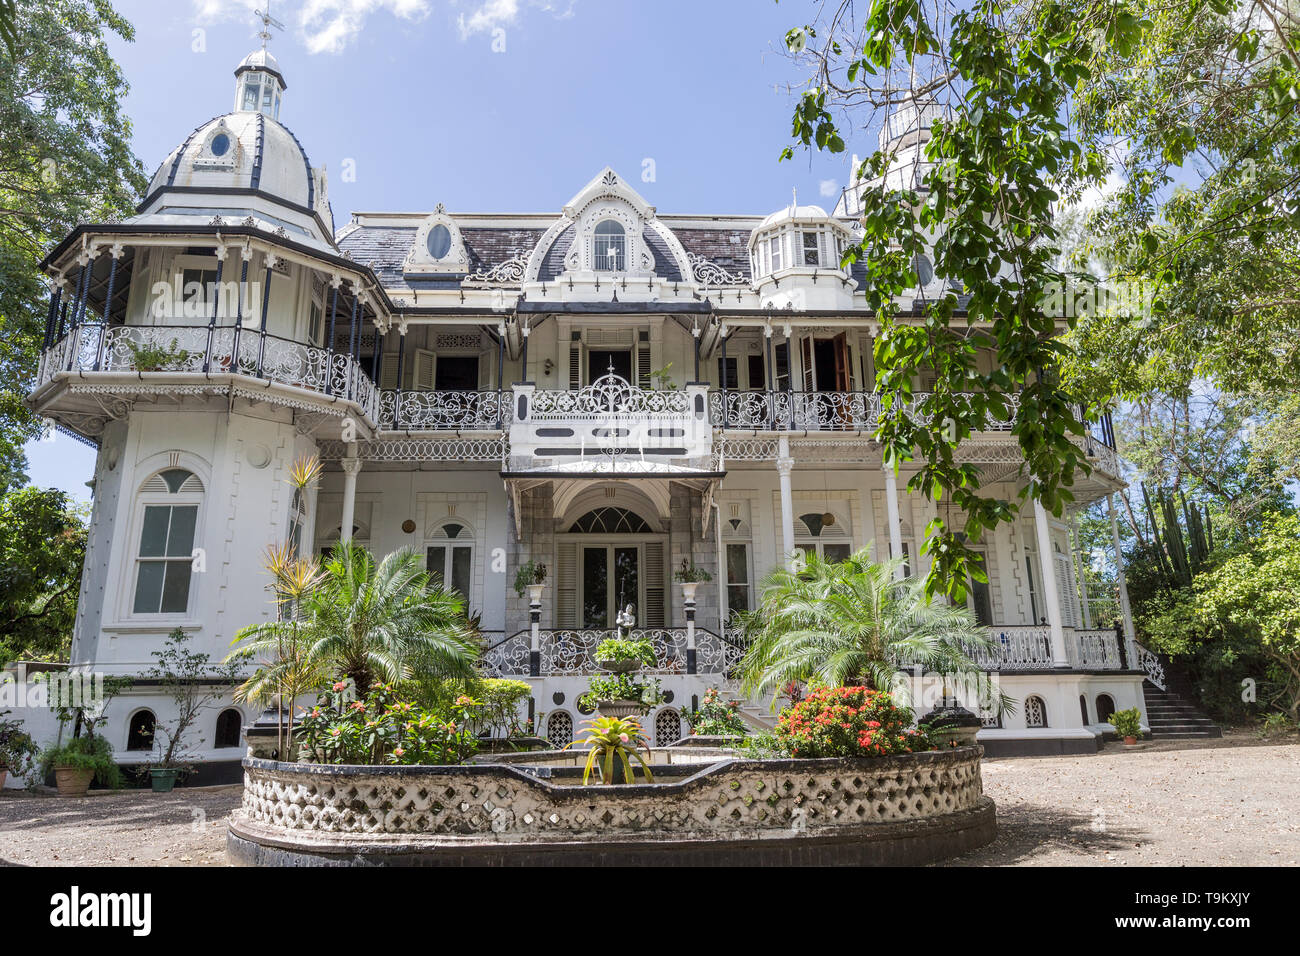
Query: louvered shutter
point(388, 371)
point(654, 584)
point(485, 379)
point(422, 370)
point(566, 584)
point(643, 365)
point(575, 366)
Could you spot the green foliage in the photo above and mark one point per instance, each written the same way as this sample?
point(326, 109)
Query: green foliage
point(689, 573)
point(369, 621)
point(528, 574)
point(17, 749)
point(500, 700)
point(616, 650)
point(154, 358)
point(716, 718)
point(65, 158)
point(41, 554)
point(385, 729)
point(88, 752)
point(848, 722)
point(611, 741)
point(193, 681)
point(852, 622)
point(621, 687)
point(1127, 723)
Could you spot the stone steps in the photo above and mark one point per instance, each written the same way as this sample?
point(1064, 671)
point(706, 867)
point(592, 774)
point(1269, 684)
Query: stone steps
point(1172, 717)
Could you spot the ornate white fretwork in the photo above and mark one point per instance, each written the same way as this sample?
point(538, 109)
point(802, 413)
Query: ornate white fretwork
point(711, 275)
point(463, 448)
point(508, 273)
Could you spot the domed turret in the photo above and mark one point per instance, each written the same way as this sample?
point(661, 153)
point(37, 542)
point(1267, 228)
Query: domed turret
point(246, 163)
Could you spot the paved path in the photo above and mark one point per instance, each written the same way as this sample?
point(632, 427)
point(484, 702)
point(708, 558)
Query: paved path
point(1235, 801)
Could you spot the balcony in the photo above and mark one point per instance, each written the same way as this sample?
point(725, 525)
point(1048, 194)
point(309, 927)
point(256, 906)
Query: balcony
point(570, 651)
point(814, 411)
point(202, 351)
point(444, 411)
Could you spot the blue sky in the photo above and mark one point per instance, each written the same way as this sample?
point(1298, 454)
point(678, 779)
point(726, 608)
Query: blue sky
point(489, 106)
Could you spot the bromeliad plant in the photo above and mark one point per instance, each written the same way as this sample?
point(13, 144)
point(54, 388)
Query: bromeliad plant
point(848, 722)
point(612, 741)
point(385, 729)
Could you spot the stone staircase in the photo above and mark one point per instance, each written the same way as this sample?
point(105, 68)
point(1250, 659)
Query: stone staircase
point(1172, 716)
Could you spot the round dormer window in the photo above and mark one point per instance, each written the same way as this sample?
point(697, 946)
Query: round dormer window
point(439, 241)
point(220, 144)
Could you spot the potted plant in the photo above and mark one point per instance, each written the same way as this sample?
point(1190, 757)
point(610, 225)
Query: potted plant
point(79, 761)
point(716, 717)
point(611, 741)
point(621, 656)
point(149, 357)
point(17, 750)
point(689, 576)
point(1127, 724)
point(193, 681)
point(529, 578)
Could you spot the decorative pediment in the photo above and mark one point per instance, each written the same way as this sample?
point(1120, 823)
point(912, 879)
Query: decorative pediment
point(438, 248)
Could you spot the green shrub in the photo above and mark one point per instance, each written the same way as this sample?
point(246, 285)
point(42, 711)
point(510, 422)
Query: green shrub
point(1127, 723)
point(717, 718)
point(620, 687)
point(88, 752)
point(848, 722)
point(616, 650)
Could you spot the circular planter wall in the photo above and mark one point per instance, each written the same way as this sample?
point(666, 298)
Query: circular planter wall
point(910, 809)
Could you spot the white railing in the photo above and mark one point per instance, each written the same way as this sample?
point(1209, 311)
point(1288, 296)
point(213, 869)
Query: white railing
point(443, 410)
point(1096, 649)
point(1149, 661)
point(211, 349)
point(1019, 647)
point(818, 411)
point(571, 651)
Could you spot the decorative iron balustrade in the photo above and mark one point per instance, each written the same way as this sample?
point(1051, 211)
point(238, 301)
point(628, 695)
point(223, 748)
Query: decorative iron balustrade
point(763, 410)
point(571, 651)
point(1149, 661)
point(1097, 649)
point(487, 410)
point(212, 349)
point(1020, 647)
point(609, 395)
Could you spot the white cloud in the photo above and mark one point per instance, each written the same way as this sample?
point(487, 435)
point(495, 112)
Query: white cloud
point(828, 188)
point(323, 26)
point(488, 15)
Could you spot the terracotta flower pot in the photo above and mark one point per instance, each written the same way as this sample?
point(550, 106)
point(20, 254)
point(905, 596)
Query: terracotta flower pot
point(73, 781)
point(1130, 740)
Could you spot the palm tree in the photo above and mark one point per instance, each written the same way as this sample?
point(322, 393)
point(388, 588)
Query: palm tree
point(853, 623)
point(369, 621)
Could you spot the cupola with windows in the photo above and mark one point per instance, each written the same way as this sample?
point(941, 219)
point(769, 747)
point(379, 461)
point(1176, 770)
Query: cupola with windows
point(243, 164)
point(800, 247)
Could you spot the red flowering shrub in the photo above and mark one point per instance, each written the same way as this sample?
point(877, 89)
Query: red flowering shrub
point(848, 722)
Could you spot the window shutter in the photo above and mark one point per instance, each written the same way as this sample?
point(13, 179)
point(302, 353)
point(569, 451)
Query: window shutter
point(566, 584)
point(388, 371)
point(575, 366)
point(485, 369)
point(654, 584)
point(422, 371)
point(643, 365)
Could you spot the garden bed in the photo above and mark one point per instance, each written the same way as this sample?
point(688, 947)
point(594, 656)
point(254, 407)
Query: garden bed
point(907, 809)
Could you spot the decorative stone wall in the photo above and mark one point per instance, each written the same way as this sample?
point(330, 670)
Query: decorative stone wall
point(729, 800)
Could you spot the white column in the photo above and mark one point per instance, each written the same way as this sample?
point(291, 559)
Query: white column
point(895, 525)
point(784, 465)
point(1051, 596)
point(1125, 611)
point(351, 468)
point(1081, 574)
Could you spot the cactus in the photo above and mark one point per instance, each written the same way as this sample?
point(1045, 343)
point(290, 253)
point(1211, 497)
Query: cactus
point(1181, 548)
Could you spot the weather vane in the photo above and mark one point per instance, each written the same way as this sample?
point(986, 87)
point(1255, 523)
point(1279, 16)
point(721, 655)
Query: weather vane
point(268, 21)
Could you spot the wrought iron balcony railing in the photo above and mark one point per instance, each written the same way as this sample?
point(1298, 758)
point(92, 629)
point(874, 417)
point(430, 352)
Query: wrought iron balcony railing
point(211, 350)
point(487, 410)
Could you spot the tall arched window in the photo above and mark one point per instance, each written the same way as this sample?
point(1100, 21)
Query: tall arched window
point(169, 514)
point(1105, 707)
point(229, 723)
point(449, 556)
point(140, 730)
point(609, 252)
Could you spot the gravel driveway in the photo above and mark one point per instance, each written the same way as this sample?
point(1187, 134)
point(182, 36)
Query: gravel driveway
point(1223, 802)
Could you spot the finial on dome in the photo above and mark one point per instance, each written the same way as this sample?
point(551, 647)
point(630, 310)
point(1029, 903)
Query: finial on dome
point(268, 21)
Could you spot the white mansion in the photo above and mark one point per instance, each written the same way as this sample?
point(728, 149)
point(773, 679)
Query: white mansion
point(602, 389)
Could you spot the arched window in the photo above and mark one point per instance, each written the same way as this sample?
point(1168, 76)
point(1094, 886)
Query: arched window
point(609, 251)
point(1105, 707)
point(1035, 711)
point(827, 533)
point(610, 521)
point(140, 730)
point(668, 727)
point(169, 515)
point(1083, 708)
point(449, 556)
point(229, 723)
point(559, 729)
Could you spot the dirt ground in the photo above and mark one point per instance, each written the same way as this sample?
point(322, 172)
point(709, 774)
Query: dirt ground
point(1220, 802)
